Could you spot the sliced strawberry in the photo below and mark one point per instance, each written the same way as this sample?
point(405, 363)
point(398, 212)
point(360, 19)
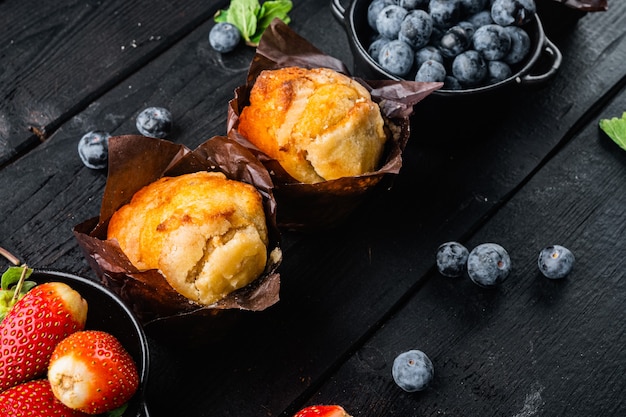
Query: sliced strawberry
point(322, 411)
point(32, 328)
point(34, 399)
point(91, 371)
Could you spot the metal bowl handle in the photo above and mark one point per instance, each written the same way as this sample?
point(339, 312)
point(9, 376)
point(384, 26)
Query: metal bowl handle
point(338, 10)
point(550, 50)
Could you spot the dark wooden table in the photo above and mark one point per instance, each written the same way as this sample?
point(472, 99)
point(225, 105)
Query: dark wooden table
point(354, 297)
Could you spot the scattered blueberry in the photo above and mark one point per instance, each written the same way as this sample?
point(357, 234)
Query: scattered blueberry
point(416, 28)
point(454, 41)
point(469, 68)
point(488, 264)
point(513, 12)
point(555, 261)
point(498, 71)
point(451, 259)
point(397, 57)
point(93, 149)
point(389, 20)
point(412, 370)
point(492, 41)
point(520, 45)
point(155, 122)
point(224, 37)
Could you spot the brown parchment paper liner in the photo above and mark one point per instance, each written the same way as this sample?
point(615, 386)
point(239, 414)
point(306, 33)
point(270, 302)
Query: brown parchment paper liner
point(323, 205)
point(136, 161)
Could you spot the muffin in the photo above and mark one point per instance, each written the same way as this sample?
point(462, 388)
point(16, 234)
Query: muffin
point(317, 123)
point(205, 233)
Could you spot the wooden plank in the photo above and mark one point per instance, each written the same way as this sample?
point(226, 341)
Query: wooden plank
point(57, 58)
point(533, 346)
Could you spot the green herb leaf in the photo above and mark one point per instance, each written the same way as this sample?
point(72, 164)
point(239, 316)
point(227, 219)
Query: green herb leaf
point(252, 18)
point(616, 129)
point(269, 11)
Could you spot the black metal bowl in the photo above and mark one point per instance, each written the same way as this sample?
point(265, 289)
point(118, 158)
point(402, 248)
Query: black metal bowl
point(107, 312)
point(359, 35)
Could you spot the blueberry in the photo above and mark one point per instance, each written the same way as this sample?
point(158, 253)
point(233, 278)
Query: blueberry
point(374, 9)
point(480, 19)
point(389, 20)
point(454, 41)
point(468, 26)
point(155, 122)
point(431, 71)
point(436, 35)
point(492, 41)
point(224, 37)
point(413, 4)
point(498, 71)
point(416, 28)
point(93, 149)
point(520, 44)
point(427, 53)
point(488, 264)
point(473, 6)
point(451, 259)
point(396, 57)
point(374, 49)
point(513, 12)
point(451, 83)
point(555, 261)
point(469, 68)
point(445, 13)
point(412, 370)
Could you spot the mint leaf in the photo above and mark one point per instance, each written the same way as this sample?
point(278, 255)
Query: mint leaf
point(252, 18)
point(269, 11)
point(242, 14)
point(616, 129)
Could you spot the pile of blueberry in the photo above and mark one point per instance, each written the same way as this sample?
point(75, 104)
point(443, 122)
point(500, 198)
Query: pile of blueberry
point(93, 147)
point(488, 264)
point(462, 43)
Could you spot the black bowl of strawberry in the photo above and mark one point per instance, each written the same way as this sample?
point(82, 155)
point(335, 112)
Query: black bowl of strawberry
point(107, 313)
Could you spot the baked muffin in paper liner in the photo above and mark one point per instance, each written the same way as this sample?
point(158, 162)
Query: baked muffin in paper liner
point(322, 205)
point(136, 161)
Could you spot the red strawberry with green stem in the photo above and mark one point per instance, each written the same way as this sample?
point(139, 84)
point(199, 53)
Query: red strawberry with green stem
point(322, 411)
point(91, 371)
point(30, 331)
point(34, 399)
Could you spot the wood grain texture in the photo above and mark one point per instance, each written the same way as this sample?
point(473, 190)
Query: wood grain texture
point(351, 298)
point(58, 58)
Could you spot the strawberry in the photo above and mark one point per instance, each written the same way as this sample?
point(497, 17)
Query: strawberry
point(322, 411)
point(32, 328)
point(91, 371)
point(34, 399)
